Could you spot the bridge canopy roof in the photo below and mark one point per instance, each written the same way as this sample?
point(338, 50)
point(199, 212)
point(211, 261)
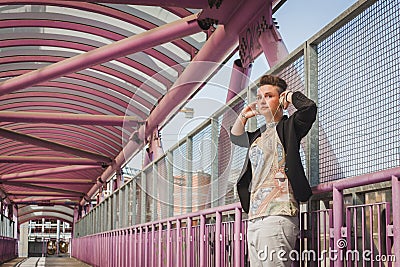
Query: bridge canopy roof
point(79, 80)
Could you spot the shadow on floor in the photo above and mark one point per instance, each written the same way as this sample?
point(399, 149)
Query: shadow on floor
point(45, 261)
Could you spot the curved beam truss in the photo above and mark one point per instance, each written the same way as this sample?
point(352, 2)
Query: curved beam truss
point(78, 77)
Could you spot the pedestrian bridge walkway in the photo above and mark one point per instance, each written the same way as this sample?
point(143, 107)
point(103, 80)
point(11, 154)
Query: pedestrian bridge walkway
point(83, 97)
point(45, 261)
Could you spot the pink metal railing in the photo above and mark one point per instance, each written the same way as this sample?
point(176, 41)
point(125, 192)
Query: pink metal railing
point(204, 239)
point(178, 241)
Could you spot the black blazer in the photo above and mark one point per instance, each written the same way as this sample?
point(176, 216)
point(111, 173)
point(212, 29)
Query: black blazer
point(290, 131)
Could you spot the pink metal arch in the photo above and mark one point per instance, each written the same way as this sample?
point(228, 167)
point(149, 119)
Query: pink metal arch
point(86, 48)
point(107, 146)
point(108, 11)
point(102, 135)
point(46, 210)
point(103, 69)
point(35, 217)
point(35, 96)
point(59, 172)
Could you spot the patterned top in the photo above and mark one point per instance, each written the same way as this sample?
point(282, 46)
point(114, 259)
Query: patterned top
point(271, 192)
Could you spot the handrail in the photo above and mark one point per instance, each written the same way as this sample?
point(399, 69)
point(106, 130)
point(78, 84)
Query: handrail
point(367, 179)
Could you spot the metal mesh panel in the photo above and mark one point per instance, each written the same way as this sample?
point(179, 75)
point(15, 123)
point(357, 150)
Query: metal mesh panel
point(358, 81)
point(230, 157)
point(226, 151)
point(294, 77)
point(163, 188)
point(180, 174)
point(148, 190)
point(202, 150)
point(202, 164)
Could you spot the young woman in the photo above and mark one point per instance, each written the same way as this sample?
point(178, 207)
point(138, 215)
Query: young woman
point(273, 182)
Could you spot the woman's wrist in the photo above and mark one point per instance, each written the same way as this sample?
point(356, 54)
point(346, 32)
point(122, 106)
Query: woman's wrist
point(288, 97)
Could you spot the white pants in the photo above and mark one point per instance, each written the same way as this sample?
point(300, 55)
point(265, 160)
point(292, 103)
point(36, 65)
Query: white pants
point(271, 240)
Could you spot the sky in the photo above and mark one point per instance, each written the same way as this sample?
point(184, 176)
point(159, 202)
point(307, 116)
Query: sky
point(298, 20)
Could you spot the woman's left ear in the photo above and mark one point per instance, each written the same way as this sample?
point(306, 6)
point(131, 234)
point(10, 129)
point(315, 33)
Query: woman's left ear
point(282, 102)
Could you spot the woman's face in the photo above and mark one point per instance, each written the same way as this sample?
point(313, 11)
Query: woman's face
point(268, 101)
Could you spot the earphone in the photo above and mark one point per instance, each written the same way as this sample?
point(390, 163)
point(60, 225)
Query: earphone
point(281, 100)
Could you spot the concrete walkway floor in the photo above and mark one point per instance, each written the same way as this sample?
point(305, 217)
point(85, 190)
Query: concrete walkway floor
point(44, 261)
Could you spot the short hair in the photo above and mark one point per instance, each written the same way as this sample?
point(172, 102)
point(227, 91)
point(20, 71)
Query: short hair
point(273, 80)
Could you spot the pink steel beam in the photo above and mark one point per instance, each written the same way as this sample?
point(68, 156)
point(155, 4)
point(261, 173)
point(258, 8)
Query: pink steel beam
point(98, 9)
point(29, 139)
point(130, 45)
point(43, 199)
point(20, 214)
point(31, 97)
point(48, 160)
point(92, 133)
point(216, 49)
point(66, 118)
point(72, 138)
point(199, 4)
point(100, 68)
point(44, 189)
point(84, 47)
point(48, 181)
point(43, 172)
point(32, 193)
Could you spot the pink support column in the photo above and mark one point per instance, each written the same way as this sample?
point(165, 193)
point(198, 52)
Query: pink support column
point(152, 246)
point(178, 252)
point(273, 46)
point(160, 255)
point(129, 247)
point(140, 251)
point(221, 43)
point(123, 247)
point(218, 225)
point(338, 206)
point(189, 241)
point(201, 240)
point(168, 240)
point(134, 254)
point(240, 78)
point(396, 219)
point(118, 248)
point(237, 237)
point(146, 246)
